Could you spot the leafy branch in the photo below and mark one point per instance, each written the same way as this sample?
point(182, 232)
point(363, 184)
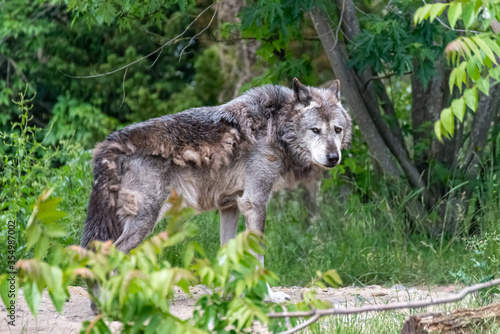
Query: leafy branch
point(480, 53)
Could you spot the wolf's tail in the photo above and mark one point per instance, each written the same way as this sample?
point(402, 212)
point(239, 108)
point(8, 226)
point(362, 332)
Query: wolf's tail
point(102, 222)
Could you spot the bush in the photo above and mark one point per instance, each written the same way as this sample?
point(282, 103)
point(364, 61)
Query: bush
point(136, 287)
point(30, 164)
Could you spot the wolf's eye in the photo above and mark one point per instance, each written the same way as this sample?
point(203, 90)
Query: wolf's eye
point(338, 130)
point(315, 130)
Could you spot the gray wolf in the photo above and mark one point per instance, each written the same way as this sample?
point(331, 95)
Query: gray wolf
point(230, 158)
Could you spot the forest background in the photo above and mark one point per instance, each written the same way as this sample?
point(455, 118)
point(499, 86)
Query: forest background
point(415, 199)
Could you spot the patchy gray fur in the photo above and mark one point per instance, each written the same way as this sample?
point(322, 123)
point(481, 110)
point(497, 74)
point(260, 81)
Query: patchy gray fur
point(230, 157)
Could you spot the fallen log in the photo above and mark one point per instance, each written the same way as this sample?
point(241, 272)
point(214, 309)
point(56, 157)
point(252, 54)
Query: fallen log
point(461, 321)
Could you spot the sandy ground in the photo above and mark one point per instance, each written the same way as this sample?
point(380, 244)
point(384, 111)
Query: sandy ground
point(77, 309)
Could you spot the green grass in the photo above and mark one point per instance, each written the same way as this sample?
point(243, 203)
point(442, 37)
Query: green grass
point(357, 240)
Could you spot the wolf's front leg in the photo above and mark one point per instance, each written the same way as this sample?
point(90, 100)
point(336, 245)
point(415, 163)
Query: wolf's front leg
point(253, 205)
point(228, 224)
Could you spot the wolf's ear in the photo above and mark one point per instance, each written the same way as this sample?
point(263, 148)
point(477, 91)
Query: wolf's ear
point(301, 92)
point(335, 89)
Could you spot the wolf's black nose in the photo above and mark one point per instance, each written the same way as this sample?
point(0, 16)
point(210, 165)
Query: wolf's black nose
point(332, 158)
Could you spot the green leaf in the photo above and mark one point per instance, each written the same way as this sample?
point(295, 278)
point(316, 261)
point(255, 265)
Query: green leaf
point(9, 290)
point(485, 48)
point(332, 278)
point(56, 289)
point(422, 13)
point(454, 11)
point(457, 77)
point(437, 130)
point(474, 48)
point(199, 249)
point(182, 5)
point(41, 247)
point(436, 10)
point(458, 108)
point(32, 296)
point(470, 97)
point(452, 79)
point(240, 287)
point(447, 120)
point(487, 62)
point(493, 45)
point(47, 211)
point(468, 14)
point(495, 73)
point(484, 85)
point(33, 233)
point(473, 71)
point(54, 230)
point(188, 255)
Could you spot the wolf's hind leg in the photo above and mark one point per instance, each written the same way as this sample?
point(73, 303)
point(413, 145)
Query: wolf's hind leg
point(132, 237)
point(138, 213)
point(228, 224)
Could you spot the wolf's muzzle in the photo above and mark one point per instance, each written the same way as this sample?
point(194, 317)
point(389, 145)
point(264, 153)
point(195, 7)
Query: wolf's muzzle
point(333, 159)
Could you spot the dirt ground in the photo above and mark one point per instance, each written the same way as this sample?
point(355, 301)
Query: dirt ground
point(77, 309)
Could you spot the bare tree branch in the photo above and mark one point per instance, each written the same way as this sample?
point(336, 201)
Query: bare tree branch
point(303, 325)
point(123, 86)
point(201, 32)
point(173, 40)
point(378, 77)
point(317, 314)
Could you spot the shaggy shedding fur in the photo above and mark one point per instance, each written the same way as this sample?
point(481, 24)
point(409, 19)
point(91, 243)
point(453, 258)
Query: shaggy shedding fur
point(229, 157)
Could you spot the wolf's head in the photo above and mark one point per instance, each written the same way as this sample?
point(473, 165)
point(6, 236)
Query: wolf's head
point(323, 126)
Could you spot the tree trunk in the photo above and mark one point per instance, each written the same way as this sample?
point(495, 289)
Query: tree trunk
point(390, 134)
point(236, 59)
point(487, 108)
point(351, 28)
point(336, 55)
point(486, 115)
point(461, 321)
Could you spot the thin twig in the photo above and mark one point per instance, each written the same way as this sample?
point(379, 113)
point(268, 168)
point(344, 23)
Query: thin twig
point(201, 32)
point(144, 57)
point(123, 86)
point(302, 325)
point(383, 77)
point(316, 314)
point(157, 57)
point(338, 27)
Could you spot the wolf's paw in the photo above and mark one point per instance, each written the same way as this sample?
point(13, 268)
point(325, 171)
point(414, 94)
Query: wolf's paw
point(276, 297)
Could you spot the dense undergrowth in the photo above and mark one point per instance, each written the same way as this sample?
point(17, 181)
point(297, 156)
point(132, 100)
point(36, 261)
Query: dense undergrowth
point(361, 231)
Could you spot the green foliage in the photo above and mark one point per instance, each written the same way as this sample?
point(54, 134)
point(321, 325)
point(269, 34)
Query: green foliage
point(479, 68)
point(136, 288)
point(390, 45)
point(483, 251)
point(83, 122)
point(124, 13)
point(29, 164)
point(275, 24)
point(42, 41)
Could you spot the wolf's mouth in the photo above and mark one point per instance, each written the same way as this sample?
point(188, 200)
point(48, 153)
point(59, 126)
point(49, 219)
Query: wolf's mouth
point(329, 166)
point(326, 166)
